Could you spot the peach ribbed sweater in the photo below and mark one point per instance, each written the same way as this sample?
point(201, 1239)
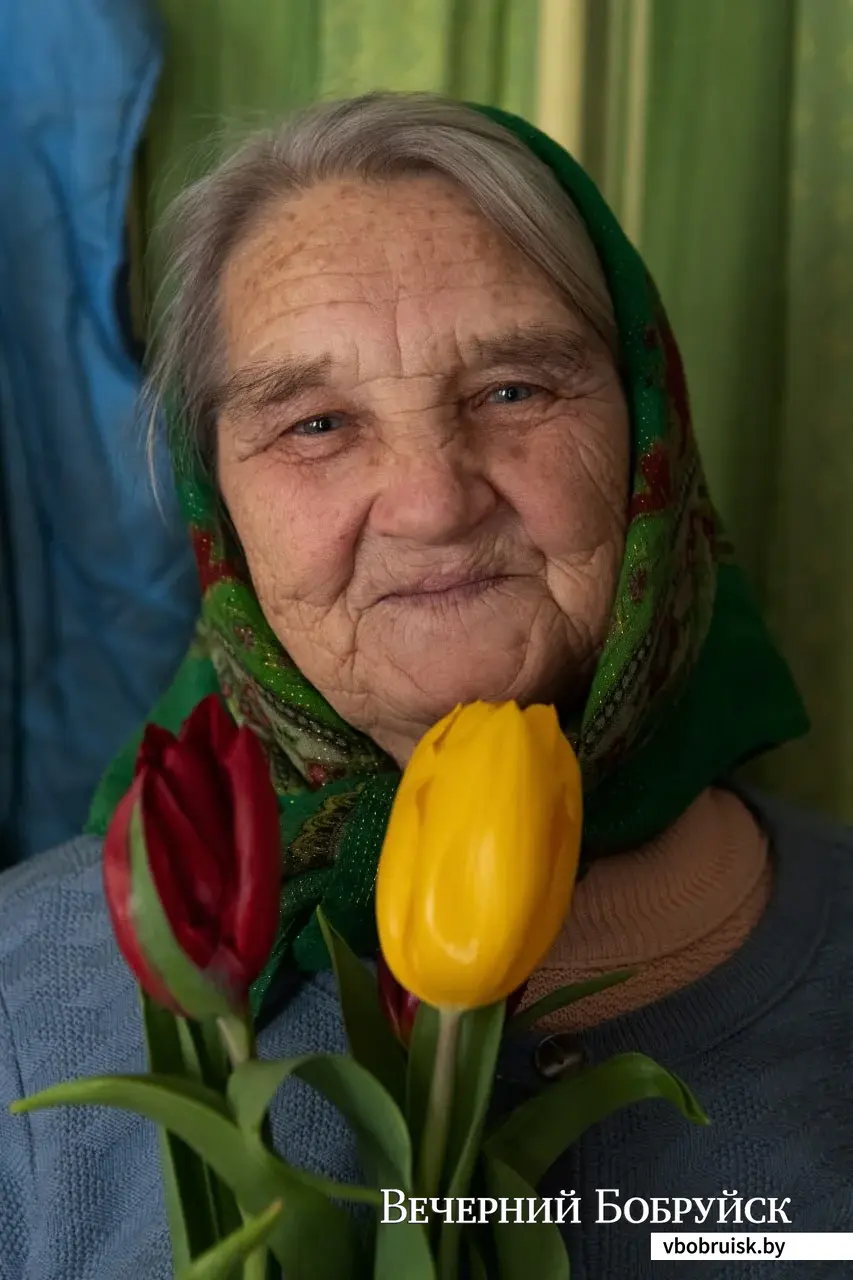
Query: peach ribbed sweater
point(676, 907)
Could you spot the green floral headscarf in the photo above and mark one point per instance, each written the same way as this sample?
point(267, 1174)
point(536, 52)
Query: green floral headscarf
point(689, 684)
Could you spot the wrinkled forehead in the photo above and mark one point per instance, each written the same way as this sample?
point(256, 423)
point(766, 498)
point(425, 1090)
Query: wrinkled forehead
point(421, 226)
point(352, 266)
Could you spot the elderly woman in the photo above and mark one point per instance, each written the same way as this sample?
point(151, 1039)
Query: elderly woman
point(433, 443)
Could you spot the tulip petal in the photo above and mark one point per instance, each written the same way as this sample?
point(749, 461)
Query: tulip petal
point(117, 888)
point(173, 870)
point(395, 896)
point(195, 778)
point(255, 832)
point(390, 992)
point(476, 898)
point(398, 1004)
point(197, 765)
point(421, 766)
point(196, 991)
point(209, 727)
point(547, 763)
point(155, 740)
point(193, 863)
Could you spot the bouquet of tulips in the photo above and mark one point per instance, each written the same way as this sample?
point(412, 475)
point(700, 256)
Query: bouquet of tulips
point(475, 880)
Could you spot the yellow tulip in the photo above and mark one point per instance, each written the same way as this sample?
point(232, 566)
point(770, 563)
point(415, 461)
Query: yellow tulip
point(481, 853)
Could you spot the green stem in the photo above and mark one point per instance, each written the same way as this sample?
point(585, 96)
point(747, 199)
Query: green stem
point(238, 1036)
point(437, 1121)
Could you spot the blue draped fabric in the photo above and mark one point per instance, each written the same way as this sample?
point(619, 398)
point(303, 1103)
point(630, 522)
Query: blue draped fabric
point(97, 588)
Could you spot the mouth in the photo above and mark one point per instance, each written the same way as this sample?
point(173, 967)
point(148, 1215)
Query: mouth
point(448, 592)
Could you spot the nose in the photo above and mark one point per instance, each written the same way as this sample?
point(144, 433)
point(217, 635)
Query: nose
point(432, 495)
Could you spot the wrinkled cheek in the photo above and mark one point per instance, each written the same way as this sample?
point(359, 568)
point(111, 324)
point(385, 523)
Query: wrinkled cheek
point(584, 594)
point(582, 537)
point(278, 538)
point(300, 567)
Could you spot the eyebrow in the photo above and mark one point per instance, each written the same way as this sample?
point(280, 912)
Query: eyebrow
point(560, 350)
point(259, 385)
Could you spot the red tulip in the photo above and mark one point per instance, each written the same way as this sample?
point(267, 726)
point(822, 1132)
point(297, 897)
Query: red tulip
point(400, 1006)
point(192, 865)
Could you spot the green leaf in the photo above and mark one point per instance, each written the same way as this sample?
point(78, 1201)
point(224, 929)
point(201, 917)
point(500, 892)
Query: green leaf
point(193, 990)
point(167, 1092)
point(540, 1130)
point(224, 1261)
point(422, 1049)
point(562, 997)
point(476, 1265)
point(312, 1239)
point(525, 1249)
point(402, 1250)
point(476, 1061)
point(371, 1040)
point(190, 1206)
point(373, 1114)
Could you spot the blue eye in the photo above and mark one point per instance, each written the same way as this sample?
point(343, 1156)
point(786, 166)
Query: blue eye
point(513, 393)
point(319, 426)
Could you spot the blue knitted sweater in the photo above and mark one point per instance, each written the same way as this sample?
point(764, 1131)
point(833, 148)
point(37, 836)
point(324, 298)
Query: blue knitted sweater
point(765, 1041)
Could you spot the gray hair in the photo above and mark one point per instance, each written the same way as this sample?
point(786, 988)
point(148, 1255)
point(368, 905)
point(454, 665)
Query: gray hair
point(374, 137)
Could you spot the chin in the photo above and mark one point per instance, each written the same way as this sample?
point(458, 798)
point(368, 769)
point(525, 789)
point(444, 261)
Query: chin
point(430, 701)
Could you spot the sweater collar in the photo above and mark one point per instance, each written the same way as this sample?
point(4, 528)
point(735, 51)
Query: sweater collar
point(767, 966)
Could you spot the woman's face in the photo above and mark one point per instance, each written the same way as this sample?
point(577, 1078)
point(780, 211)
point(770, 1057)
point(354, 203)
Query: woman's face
point(424, 452)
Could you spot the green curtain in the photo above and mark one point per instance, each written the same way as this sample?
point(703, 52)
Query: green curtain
point(744, 211)
point(747, 224)
point(230, 64)
point(810, 570)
